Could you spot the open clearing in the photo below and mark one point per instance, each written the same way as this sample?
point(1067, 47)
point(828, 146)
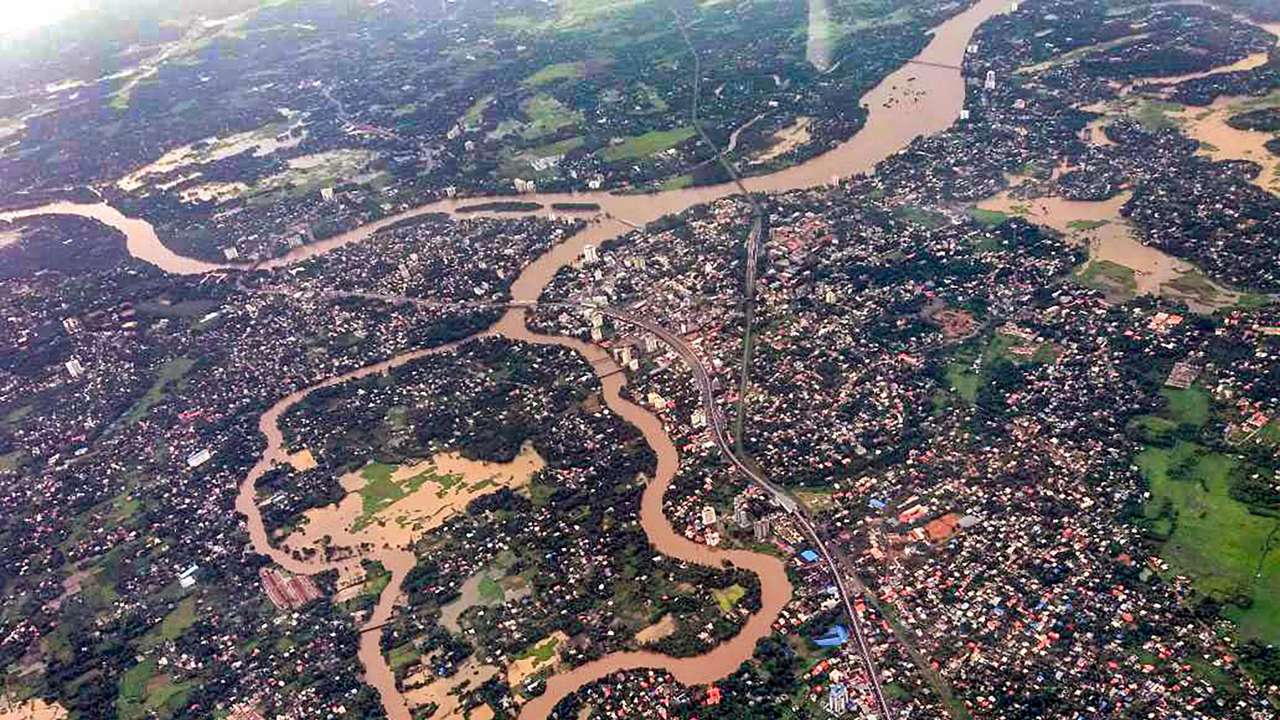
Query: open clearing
point(729, 597)
point(1227, 550)
point(650, 143)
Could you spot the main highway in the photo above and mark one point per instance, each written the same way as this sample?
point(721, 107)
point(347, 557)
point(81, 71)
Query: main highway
point(716, 426)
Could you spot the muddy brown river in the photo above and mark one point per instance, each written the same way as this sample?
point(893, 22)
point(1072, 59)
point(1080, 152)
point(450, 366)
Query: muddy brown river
point(913, 101)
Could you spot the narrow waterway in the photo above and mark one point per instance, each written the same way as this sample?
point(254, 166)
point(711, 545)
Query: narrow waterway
point(397, 561)
point(914, 101)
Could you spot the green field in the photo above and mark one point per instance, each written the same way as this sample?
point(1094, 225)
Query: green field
point(1107, 276)
point(547, 116)
point(177, 621)
point(1086, 225)
point(1195, 285)
point(729, 597)
point(12, 461)
point(990, 218)
point(650, 143)
point(1187, 407)
point(556, 73)
point(541, 653)
point(963, 382)
point(1269, 434)
point(676, 183)
point(516, 162)
point(920, 216)
point(474, 117)
point(818, 498)
point(120, 100)
point(17, 414)
point(491, 593)
point(142, 692)
point(376, 578)
point(1213, 538)
point(1154, 116)
point(581, 12)
point(402, 656)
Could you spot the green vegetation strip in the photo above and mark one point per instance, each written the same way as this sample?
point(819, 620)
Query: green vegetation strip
point(540, 653)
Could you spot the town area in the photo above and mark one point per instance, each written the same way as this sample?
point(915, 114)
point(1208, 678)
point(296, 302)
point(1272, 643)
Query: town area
point(986, 425)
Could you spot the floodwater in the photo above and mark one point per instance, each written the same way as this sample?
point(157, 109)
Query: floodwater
point(775, 589)
point(397, 561)
point(657, 631)
point(263, 141)
point(917, 100)
point(140, 236)
point(1208, 125)
point(1115, 241)
point(389, 538)
point(1220, 141)
point(443, 692)
point(34, 709)
point(1249, 62)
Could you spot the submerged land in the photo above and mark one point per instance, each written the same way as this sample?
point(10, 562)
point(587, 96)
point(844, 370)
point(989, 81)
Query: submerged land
point(608, 360)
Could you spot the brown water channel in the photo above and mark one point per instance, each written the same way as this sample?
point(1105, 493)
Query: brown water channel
point(913, 101)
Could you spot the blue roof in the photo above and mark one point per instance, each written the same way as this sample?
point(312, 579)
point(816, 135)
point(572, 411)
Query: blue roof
point(836, 636)
point(809, 556)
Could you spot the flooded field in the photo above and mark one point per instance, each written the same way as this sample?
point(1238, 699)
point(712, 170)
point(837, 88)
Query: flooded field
point(441, 487)
point(11, 237)
point(1220, 141)
point(1110, 238)
point(541, 656)
point(263, 141)
point(426, 690)
point(657, 631)
point(34, 709)
point(915, 100)
point(787, 139)
point(486, 588)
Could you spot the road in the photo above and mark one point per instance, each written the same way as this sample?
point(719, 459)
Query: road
point(715, 425)
point(753, 242)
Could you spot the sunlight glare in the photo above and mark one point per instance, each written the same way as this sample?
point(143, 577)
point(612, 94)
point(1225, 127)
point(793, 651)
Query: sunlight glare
point(17, 16)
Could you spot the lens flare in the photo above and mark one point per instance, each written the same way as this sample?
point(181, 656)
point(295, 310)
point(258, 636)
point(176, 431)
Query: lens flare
point(17, 16)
